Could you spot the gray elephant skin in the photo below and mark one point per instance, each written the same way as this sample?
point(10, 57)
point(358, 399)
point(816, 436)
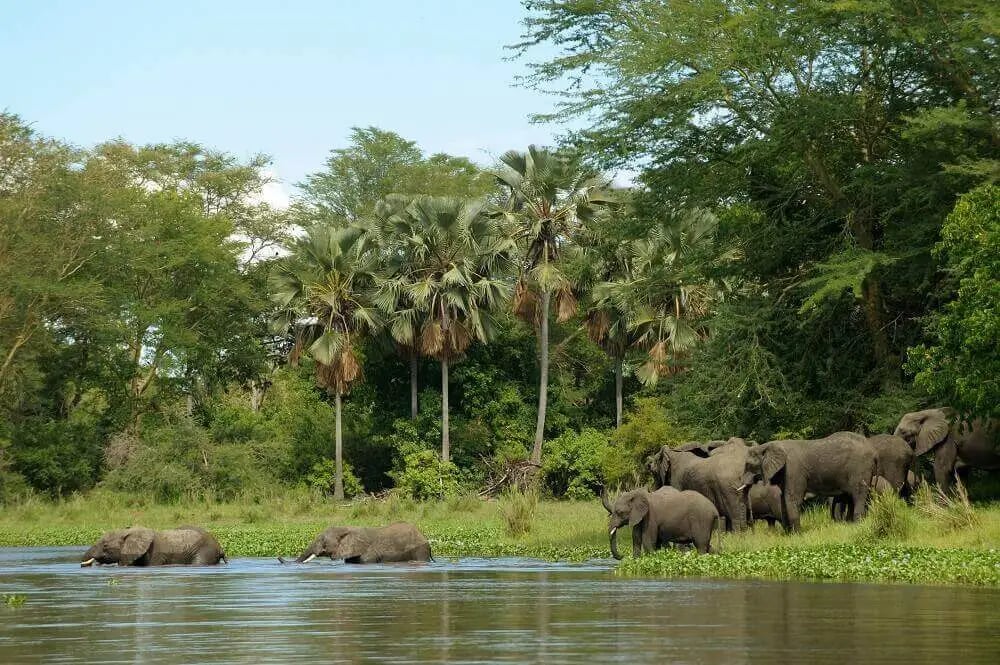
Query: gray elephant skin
point(389, 544)
point(139, 546)
point(713, 469)
point(953, 441)
point(842, 463)
point(764, 503)
point(895, 461)
point(840, 506)
point(659, 518)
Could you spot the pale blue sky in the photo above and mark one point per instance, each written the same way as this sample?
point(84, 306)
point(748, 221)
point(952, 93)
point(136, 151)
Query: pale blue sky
point(285, 78)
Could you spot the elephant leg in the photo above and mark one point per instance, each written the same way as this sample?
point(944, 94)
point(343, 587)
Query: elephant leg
point(637, 540)
point(790, 511)
point(944, 464)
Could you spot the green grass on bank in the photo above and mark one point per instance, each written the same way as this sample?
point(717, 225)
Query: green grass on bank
point(925, 543)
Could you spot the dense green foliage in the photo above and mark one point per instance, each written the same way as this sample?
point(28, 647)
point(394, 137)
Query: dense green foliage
point(813, 226)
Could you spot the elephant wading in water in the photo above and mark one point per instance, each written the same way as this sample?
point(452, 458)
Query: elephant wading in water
point(388, 544)
point(138, 546)
point(712, 470)
point(953, 441)
point(842, 463)
point(665, 516)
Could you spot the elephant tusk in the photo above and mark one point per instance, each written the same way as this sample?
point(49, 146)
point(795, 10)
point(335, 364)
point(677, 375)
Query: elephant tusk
point(741, 487)
point(612, 531)
point(88, 562)
point(309, 558)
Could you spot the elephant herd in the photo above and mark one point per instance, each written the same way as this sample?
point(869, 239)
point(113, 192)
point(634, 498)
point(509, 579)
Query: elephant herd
point(700, 487)
point(193, 546)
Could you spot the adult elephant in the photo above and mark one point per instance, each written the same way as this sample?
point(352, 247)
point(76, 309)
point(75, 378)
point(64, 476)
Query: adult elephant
point(658, 518)
point(895, 461)
point(714, 471)
point(952, 440)
point(842, 463)
point(388, 544)
point(139, 546)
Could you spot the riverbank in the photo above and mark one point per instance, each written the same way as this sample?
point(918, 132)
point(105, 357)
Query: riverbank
point(897, 543)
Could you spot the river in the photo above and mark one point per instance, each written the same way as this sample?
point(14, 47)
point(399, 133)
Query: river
point(471, 610)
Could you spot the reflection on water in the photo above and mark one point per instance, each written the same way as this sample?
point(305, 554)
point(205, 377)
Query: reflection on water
point(256, 610)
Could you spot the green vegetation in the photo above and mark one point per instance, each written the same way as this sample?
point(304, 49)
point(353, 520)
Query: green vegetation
point(14, 600)
point(931, 547)
point(811, 246)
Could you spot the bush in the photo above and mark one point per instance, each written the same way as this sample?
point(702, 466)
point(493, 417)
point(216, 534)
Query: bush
point(645, 430)
point(888, 518)
point(572, 464)
point(57, 456)
point(322, 476)
point(518, 511)
point(426, 476)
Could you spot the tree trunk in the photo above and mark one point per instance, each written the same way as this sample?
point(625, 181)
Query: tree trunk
point(618, 392)
point(413, 383)
point(338, 478)
point(543, 382)
point(445, 434)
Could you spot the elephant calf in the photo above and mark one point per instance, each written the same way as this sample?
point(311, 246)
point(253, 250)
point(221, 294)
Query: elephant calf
point(393, 543)
point(658, 518)
point(138, 546)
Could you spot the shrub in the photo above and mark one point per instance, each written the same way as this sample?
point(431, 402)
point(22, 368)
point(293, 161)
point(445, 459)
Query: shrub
point(518, 511)
point(572, 465)
point(953, 512)
point(321, 477)
point(888, 518)
point(645, 430)
point(426, 476)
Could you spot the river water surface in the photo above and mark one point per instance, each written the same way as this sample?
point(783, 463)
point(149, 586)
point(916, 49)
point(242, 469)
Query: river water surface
point(470, 610)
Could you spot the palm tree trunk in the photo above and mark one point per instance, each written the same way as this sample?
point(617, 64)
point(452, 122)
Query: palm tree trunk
point(338, 477)
point(445, 434)
point(618, 392)
point(413, 384)
point(543, 382)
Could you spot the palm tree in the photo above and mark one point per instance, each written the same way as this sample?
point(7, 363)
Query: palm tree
point(663, 292)
point(324, 290)
point(452, 258)
point(602, 262)
point(393, 252)
point(548, 195)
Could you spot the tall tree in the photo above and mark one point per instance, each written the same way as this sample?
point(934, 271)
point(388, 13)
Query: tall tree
point(831, 138)
point(325, 291)
point(450, 261)
point(376, 166)
point(548, 195)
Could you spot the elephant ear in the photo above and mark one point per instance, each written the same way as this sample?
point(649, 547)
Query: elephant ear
point(135, 545)
point(352, 546)
point(774, 460)
point(933, 430)
point(640, 508)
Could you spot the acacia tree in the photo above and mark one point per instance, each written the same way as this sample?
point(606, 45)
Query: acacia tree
point(548, 195)
point(324, 290)
point(449, 260)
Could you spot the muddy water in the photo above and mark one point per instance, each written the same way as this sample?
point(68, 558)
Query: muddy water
point(472, 610)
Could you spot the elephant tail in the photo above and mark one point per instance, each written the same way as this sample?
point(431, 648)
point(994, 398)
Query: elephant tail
point(222, 557)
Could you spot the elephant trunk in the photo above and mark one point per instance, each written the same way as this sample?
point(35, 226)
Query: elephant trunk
point(613, 536)
point(89, 558)
point(604, 501)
